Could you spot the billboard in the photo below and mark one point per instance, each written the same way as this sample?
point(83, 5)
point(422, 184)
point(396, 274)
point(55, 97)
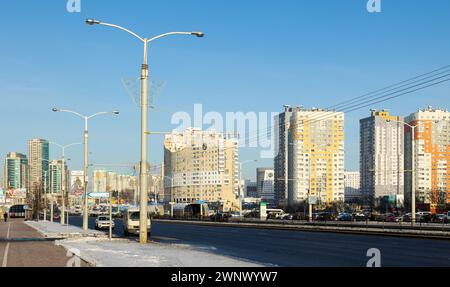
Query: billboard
point(76, 183)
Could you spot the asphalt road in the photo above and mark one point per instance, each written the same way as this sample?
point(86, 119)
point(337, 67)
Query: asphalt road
point(22, 246)
point(294, 248)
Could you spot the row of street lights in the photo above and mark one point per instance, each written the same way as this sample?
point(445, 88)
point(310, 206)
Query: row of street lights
point(144, 130)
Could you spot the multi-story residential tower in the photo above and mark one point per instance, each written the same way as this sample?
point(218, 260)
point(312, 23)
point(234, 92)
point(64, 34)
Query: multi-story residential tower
point(352, 187)
point(281, 168)
point(311, 155)
point(432, 158)
point(265, 185)
point(15, 171)
point(38, 162)
point(55, 177)
point(201, 165)
point(382, 157)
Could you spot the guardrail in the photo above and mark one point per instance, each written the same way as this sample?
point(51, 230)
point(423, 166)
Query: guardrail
point(444, 227)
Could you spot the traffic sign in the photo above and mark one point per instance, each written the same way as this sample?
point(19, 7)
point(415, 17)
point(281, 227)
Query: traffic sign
point(98, 194)
point(313, 200)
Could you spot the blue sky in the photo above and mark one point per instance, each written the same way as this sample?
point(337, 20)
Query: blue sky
point(257, 55)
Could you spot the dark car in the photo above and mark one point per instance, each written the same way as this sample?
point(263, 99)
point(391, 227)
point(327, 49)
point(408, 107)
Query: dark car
point(344, 217)
point(389, 217)
point(324, 216)
point(220, 217)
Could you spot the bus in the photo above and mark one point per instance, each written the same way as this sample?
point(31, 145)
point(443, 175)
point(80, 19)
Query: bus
point(17, 211)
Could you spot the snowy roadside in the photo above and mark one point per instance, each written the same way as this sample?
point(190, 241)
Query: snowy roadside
point(102, 252)
point(56, 230)
point(127, 253)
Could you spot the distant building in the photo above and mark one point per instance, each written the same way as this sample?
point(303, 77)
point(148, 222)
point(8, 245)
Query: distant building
point(381, 157)
point(310, 158)
point(432, 158)
point(251, 190)
point(55, 177)
point(201, 165)
point(265, 185)
point(352, 187)
point(38, 163)
point(15, 171)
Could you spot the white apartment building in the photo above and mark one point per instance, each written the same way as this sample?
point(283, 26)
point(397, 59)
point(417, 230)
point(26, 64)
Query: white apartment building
point(382, 157)
point(432, 158)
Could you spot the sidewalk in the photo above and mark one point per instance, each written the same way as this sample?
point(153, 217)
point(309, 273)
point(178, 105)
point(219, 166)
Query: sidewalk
point(102, 252)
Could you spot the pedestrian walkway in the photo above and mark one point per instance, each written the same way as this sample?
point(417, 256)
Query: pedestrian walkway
point(22, 246)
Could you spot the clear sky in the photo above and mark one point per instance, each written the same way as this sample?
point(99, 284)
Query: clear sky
point(257, 55)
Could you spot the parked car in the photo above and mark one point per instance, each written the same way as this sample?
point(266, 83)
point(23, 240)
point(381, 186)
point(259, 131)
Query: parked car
point(103, 222)
point(287, 216)
point(344, 217)
point(220, 217)
point(442, 218)
point(358, 216)
point(389, 217)
point(324, 216)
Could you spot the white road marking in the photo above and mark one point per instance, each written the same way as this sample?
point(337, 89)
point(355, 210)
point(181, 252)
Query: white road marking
point(5, 254)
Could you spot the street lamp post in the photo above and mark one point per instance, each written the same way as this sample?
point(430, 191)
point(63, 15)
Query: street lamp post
point(413, 169)
point(63, 177)
point(86, 138)
point(144, 119)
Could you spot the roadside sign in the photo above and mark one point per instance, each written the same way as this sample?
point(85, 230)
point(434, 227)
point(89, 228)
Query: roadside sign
point(98, 194)
point(312, 200)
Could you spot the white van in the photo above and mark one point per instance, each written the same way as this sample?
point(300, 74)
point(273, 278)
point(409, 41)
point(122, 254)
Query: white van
point(130, 222)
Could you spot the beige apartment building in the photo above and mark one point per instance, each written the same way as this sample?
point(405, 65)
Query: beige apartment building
point(201, 166)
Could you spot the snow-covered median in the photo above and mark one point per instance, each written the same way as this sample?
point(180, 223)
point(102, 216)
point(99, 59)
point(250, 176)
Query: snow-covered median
point(127, 253)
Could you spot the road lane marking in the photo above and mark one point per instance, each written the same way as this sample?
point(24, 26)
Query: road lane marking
point(5, 254)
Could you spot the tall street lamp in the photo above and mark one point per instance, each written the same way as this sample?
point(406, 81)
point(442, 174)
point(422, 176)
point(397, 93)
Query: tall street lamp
point(63, 177)
point(86, 138)
point(144, 111)
point(413, 169)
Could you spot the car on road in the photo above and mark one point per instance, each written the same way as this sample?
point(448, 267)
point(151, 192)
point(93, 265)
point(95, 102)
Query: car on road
point(131, 222)
point(103, 222)
point(324, 216)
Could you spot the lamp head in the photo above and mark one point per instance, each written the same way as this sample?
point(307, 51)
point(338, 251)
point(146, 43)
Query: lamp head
point(55, 110)
point(116, 113)
point(92, 22)
point(198, 34)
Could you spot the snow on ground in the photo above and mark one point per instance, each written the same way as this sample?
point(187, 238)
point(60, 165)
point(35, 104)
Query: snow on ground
point(129, 253)
point(54, 229)
point(103, 252)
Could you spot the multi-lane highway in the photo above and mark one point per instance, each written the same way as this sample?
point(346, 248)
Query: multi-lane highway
point(294, 248)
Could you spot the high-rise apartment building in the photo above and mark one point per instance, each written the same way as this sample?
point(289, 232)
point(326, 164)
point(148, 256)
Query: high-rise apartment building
point(201, 165)
point(431, 158)
point(265, 185)
point(382, 157)
point(282, 127)
point(15, 171)
point(38, 162)
point(310, 159)
point(105, 181)
point(55, 177)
